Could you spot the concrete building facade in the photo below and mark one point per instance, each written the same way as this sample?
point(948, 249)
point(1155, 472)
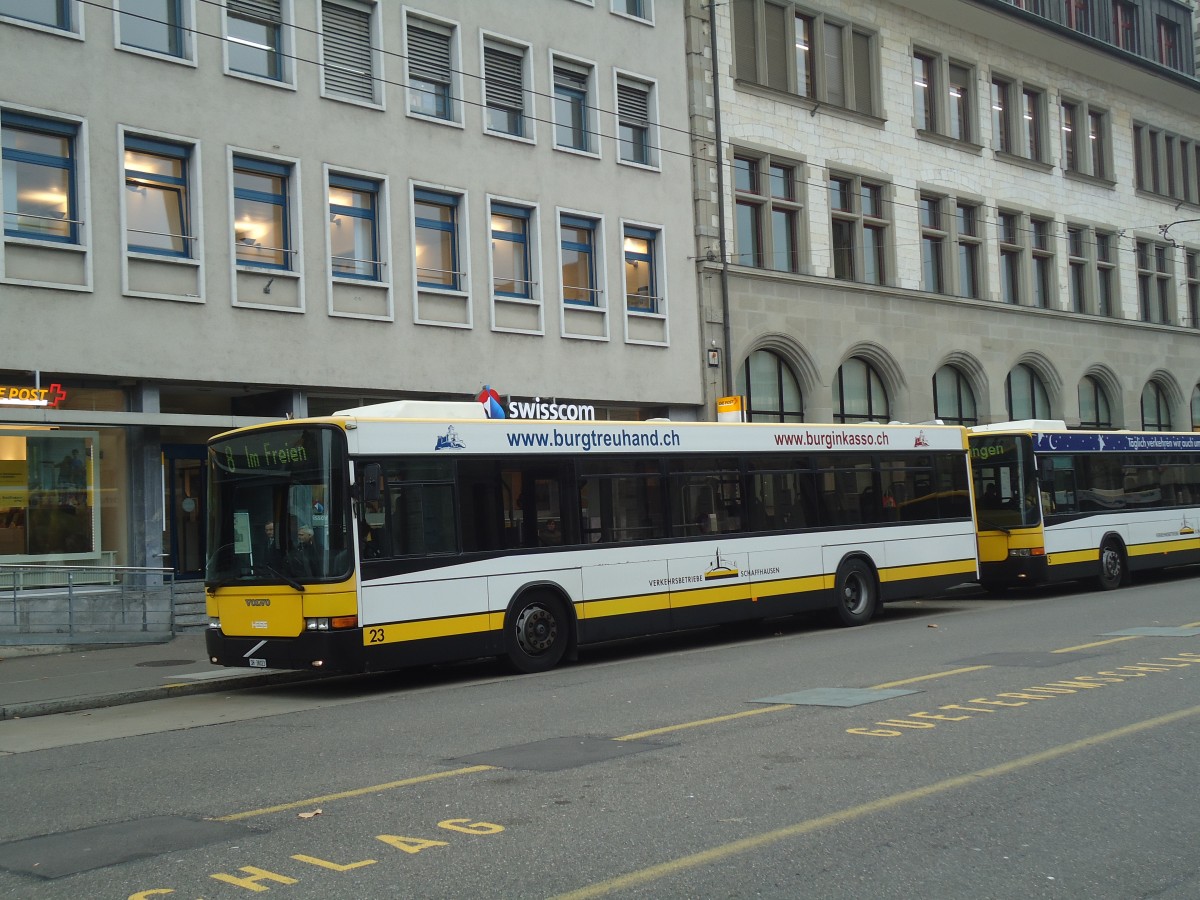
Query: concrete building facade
point(224, 213)
point(971, 210)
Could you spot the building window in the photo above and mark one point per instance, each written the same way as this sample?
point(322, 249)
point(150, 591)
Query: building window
point(255, 38)
point(1025, 394)
point(953, 399)
point(577, 246)
point(1106, 274)
point(430, 70)
point(1166, 164)
point(1077, 266)
point(969, 243)
point(354, 227)
point(960, 102)
point(641, 270)
point(347, 57)
point(933, 245)
point(634, 118)
point(435, 220)
point(1094, 409)
point(1018, 119)
point(39, 171)
point(154, 25)
point(52, 13)
point(859, 394)
point(771, 389)
point(944, 94)
point(860, 229)
point(262, 213)
point(1170, 48)
point(1154, 281)
point(511, 258)
point(1043, 279)
point(1196, 408)
point(925, 91)
point(1012, 256)
point(1085, 135)
point(573, 127)
point(767, 213)
point(1079, 16)
point(504, 89)
point(1125, 31)
point(788, 48)
point(1156, 412)
point(637, 9)
point(157, 197)
point(1192, 267)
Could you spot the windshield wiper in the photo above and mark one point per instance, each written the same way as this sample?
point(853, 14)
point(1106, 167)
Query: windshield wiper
point(291, 582)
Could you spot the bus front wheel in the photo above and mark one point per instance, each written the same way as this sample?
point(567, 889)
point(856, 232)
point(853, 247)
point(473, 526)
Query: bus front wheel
point(536, 633)
point(1114, 571)
point(857, 593)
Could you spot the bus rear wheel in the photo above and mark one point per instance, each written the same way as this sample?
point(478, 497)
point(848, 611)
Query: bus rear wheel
point(857, 593)
point(535, 636)
point(1114, 570)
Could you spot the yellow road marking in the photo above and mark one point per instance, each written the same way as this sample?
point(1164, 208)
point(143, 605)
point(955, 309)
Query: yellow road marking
point(357, 792)
point(891, 684)
point(841, 817)
point(1116, 640)
point(741, 715)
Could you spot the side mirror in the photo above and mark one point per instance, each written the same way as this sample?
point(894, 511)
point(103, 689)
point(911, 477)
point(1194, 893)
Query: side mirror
point(370, 482)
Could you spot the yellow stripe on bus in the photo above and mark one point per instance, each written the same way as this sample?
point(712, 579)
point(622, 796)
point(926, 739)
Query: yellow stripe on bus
point(432, 628)
point(620, 606)
point(455, 626)
point(1174, 546)
point(928, 570)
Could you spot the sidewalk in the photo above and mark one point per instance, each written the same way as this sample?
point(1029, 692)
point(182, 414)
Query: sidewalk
point(44, 684)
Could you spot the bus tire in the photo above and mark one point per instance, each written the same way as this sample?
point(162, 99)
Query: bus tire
point(1114, 568)
point(857, 593)
point(536, 633)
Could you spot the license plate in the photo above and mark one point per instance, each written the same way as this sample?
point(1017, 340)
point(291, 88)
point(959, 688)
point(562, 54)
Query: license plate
point(257, 663)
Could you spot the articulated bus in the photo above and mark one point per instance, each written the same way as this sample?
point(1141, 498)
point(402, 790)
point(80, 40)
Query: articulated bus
point(1056, 505)
point(372, 540)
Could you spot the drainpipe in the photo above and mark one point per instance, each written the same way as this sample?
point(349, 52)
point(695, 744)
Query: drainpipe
point(720, 157)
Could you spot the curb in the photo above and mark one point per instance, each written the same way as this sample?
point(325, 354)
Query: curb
point(34, 708)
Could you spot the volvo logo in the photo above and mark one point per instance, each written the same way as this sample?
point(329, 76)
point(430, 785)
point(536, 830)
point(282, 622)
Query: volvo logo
point(258, 601)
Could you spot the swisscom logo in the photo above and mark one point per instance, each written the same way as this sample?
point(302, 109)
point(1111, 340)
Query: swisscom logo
point(533, 409)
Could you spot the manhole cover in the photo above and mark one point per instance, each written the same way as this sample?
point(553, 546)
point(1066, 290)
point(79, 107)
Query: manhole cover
point(557, 754)
point(163, 663)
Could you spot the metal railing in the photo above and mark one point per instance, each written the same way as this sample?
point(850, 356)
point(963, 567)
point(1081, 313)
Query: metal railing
point(49, 604)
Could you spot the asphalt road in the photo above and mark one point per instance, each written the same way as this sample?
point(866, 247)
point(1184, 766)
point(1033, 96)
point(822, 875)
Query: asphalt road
point(1039, 745)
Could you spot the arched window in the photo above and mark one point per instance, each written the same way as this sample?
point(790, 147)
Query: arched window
point(1025, 394)
point(953, 399)
point(771, 390)
point(858, 394)
point(1094, 410)
point(1196, 408)
point(1156, 414)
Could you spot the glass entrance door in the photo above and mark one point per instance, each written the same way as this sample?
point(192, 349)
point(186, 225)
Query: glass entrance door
point(184, 502)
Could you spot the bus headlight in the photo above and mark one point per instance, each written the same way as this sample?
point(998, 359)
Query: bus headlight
point(1025, 552)
point(316, 624)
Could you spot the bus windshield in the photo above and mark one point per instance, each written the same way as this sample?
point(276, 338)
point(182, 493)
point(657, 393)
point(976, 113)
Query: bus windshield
point(278, 507)
point(1006, 488)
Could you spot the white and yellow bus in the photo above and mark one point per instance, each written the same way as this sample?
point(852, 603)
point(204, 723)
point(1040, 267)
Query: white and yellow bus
point(407, 533)
point(1055, 505)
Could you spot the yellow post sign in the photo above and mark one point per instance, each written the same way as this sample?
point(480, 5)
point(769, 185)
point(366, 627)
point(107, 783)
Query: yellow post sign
point(729, 409)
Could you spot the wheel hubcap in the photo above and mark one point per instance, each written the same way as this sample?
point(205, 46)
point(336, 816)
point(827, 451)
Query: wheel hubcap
point(537, 630)
point(1112, 564)
point(854, 594)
